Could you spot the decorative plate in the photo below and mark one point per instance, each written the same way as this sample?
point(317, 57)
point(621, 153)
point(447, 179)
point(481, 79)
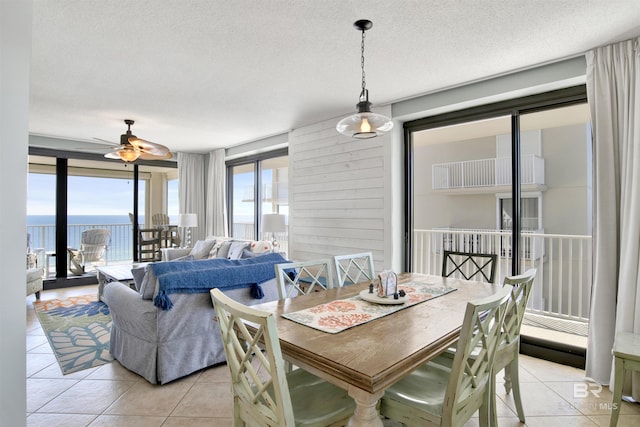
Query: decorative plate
point(374, 298)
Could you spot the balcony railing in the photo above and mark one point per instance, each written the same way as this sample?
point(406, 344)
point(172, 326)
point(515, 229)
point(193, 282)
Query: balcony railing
point(486, 173)
point(563, 282)
point(119, 249)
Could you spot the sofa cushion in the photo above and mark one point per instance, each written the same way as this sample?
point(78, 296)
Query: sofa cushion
point(223, 250)
point(202, 248)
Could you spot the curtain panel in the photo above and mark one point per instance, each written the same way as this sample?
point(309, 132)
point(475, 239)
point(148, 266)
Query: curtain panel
point(613, 90)
point(216, 194)
point(191, 190)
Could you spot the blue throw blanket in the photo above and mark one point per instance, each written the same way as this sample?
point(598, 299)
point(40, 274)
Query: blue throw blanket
point(191, 277)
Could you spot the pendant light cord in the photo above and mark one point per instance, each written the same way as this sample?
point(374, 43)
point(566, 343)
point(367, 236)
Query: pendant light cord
point(364, 87)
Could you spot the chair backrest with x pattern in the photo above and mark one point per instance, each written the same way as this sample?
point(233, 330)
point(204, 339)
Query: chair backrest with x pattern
point(472, 364)
point(521, 286)
point(260, 391)
point(301, 278)
point(469, 266)
point(354, 268)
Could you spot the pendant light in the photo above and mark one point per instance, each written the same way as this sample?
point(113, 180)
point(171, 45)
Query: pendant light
point(364, 124)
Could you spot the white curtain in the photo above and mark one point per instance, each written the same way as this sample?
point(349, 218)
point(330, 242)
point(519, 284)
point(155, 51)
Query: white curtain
point(191, 190)
point(613, 90)
point(216, 194)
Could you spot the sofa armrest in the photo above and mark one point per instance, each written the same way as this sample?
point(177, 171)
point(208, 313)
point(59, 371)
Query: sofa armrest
point(169, 254)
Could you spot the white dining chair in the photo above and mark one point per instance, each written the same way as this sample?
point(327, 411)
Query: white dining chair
point(354, 268)
point(301, 278)
point(437, 395)
point(263, 393)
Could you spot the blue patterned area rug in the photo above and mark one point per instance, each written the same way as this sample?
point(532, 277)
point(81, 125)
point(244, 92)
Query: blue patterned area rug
point(78, 330)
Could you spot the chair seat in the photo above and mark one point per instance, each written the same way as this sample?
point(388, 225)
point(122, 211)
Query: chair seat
point(316, 402)
point(424, 388)
point(627, 346)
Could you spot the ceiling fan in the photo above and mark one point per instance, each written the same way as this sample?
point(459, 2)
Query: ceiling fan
point(132, 148)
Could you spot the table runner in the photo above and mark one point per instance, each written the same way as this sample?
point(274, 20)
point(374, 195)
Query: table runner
point(338, 315)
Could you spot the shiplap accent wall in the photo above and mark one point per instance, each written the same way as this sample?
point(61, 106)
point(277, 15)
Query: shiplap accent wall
point(338, 188)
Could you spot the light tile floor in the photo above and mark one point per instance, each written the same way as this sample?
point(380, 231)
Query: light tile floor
point(110, 395)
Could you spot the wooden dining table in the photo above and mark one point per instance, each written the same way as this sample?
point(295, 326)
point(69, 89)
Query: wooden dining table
point(366, 359)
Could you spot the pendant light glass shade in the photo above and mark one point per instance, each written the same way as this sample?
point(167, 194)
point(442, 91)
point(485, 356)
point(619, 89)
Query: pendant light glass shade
point(364, 124)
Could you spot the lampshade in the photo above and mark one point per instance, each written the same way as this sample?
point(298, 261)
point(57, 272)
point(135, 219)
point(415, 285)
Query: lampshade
point(187, 220)
point(364, 125)
point(128, 155)
point(273, 223)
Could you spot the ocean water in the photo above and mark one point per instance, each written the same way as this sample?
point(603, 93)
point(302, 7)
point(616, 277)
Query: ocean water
point(82, 219)
point(42, 232)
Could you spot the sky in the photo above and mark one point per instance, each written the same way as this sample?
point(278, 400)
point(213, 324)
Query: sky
point(89, 195)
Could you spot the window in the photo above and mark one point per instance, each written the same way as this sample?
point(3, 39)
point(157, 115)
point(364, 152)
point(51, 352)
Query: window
point(264, 178)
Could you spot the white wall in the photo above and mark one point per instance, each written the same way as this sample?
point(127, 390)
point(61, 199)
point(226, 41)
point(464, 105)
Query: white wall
point(340, 194)
point(15, 42)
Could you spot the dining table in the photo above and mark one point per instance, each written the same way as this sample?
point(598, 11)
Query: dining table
point(367, 358)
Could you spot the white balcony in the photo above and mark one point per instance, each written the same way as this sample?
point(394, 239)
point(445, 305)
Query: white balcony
point(486, 173)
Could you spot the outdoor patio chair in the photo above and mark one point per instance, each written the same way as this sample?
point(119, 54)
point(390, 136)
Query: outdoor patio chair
point(263, 393)
point(93, 249)
point(149, 244)
point(437, 395)
point(469, 266)
point(354, 268)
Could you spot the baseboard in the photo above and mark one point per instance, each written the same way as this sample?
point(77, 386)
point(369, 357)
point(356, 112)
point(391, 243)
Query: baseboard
point(553, 351)
point(68, 282)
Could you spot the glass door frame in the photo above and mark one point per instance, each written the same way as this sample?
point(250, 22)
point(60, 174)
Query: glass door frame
point(514, 108)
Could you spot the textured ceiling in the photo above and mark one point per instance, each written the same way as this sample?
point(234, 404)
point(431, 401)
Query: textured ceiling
point(202, 74)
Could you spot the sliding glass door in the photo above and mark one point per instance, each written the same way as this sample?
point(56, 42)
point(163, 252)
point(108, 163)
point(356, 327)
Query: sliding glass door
point(462, 178)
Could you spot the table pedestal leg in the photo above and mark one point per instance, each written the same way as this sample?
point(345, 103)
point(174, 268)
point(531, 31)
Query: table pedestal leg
point(366, 413)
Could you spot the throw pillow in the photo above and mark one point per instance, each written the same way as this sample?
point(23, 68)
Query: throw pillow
point(223, 250)
point(246, 253)
point(261, 246)
point(148, 286)
point(202, 248)
point(213, 253)
point(138, 276)
point(235, 249)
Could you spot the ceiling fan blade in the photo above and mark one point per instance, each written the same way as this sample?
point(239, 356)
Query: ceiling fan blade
point(104, 141)
point(147, 156)
point(149, 147)
point(112, 155)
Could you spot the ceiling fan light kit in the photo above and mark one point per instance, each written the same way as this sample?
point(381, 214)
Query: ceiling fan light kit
point(364, 124)
point(131, 148)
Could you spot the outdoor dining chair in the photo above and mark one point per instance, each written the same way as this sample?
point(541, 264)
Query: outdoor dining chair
point(263, 393)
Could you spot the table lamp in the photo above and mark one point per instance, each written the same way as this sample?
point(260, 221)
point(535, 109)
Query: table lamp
point(273, 223)
point(188, 220)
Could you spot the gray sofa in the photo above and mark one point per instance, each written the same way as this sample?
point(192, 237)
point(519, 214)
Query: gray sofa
point(163, 345)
